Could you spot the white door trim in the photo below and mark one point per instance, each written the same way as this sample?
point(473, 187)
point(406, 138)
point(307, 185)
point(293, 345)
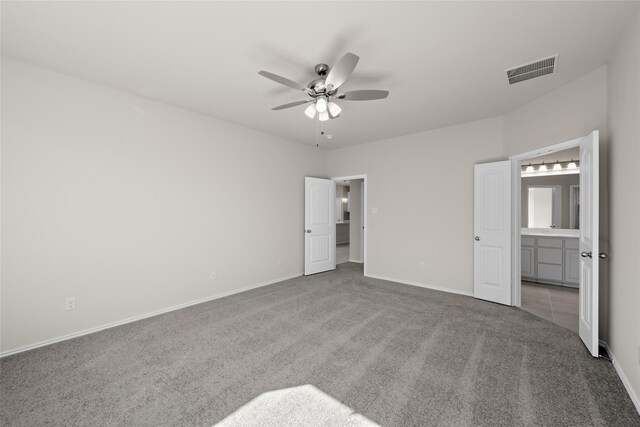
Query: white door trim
point(516, 298)
point(364, 208)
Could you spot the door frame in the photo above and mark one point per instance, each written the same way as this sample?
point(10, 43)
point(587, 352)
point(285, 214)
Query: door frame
point(516, 211)
point(364, 210)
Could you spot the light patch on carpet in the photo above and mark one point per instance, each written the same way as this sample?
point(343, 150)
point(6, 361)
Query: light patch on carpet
point(296, 406)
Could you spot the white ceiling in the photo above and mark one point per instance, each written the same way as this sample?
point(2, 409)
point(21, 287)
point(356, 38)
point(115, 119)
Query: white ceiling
point(443, 62)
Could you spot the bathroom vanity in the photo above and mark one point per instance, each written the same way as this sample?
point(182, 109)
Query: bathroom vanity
point(550, 256)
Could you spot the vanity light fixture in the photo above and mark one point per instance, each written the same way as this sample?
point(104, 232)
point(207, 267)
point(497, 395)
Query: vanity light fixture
point(556, 168)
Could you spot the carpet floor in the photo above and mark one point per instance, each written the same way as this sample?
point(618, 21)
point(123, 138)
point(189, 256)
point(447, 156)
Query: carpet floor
point(392, 354)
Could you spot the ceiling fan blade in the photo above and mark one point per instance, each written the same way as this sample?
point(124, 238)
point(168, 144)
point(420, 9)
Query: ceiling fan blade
point(291, 104)
point(363, 95)
point(342, 70)
point(282, 80)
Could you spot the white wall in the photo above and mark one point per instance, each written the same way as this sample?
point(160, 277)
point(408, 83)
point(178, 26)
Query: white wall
point(422, 186)
point(624, 190)
point(128, 204)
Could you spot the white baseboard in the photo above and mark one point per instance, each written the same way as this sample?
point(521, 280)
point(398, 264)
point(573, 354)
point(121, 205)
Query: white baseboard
point(142, 316)
point(421, 285)
point(356, 261)
point(623, 377)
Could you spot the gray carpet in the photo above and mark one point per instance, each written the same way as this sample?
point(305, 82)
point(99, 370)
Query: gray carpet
point(394, 354)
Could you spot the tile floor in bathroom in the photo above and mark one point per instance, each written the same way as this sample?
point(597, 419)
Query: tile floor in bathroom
point(557, 304)
point(342, 253)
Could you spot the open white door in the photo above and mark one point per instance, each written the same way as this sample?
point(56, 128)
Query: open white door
point(492, 225)
point(589, 241)
point(319, 225)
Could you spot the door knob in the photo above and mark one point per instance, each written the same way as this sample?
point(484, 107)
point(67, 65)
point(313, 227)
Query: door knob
point(603, 255)
point(585, 254)
point(477, 238)
point(308, 231)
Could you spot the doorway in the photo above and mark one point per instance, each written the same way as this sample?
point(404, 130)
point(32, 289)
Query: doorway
point(350, 216)
point(549, 254)
point(500, 241)
point(587, 249)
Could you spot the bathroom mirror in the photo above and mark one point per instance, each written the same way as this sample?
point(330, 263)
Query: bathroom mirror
point(543, 206)
point(551, 202)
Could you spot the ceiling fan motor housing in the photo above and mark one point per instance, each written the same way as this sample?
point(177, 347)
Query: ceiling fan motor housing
point(317, 87)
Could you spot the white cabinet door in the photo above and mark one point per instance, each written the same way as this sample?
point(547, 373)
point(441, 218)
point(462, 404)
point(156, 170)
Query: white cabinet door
point(572, 266)
point(527, 261)
point(589, 241)
point(319, 225)
point(551, 272)
point(492, 225)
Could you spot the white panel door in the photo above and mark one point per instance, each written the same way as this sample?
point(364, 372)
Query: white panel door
point(319, 225)
point(492, 225)
point(589, 238)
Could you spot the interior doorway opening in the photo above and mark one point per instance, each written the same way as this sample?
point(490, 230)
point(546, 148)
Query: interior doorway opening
point(549, 232)
point(588, 242)
point(350, 216)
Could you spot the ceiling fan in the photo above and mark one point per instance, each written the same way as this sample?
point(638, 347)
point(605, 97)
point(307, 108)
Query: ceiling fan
point(324, 90)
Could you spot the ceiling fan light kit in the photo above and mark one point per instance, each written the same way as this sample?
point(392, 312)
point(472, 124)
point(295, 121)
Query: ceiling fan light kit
point(334, 109)
point(321, 105)
point(324, 89)
point(311, 111)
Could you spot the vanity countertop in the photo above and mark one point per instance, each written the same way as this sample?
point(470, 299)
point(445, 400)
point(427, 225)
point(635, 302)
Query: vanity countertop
point(342, 222)
point(550, 232)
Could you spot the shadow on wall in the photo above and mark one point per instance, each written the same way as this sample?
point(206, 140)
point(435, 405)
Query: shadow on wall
point(295, 406)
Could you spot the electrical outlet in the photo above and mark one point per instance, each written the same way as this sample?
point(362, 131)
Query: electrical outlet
point(70, 303)
point(374, 211)
point(423, 265)
point(212, 276)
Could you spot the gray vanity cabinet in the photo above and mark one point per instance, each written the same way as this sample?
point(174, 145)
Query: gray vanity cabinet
point(571, 261)
point(528, 257)
point(551, 260)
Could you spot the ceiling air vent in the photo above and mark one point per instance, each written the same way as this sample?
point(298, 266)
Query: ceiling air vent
point(532, 70)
